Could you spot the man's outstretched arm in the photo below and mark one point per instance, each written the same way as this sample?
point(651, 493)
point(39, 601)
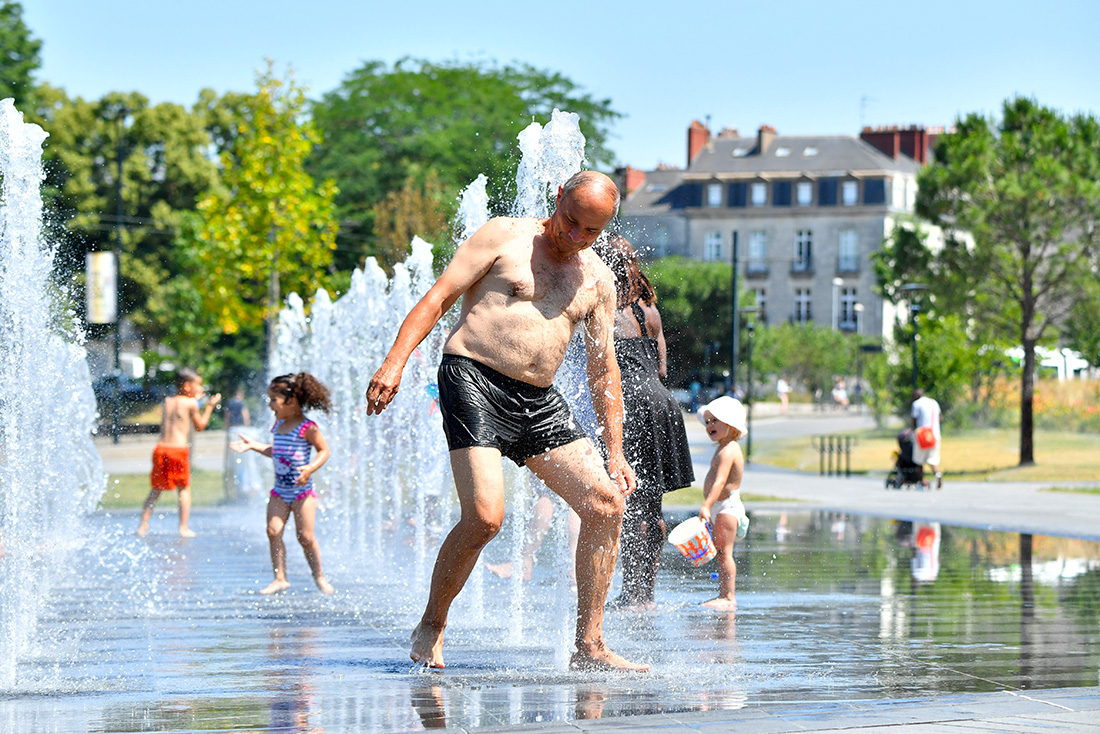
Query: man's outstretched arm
point(605, 384)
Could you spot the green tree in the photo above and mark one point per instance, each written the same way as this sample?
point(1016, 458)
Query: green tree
point(809, 355)
point(19, 57)
point(417, 208)
point(165, 170)
point(455, 119)
point(271, 228)
point(1081, 331)
point(1020, 205)
point(694, 300)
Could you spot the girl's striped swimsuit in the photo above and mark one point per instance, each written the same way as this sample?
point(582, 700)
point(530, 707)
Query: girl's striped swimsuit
point(291, 451)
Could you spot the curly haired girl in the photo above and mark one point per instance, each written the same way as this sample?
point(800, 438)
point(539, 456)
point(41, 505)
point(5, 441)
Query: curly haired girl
point(294, 438)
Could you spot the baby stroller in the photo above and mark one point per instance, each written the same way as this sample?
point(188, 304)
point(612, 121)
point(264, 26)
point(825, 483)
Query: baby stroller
point(906, 473)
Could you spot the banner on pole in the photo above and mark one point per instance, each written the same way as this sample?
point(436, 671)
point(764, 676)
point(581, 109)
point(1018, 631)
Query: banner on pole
point(101, 288)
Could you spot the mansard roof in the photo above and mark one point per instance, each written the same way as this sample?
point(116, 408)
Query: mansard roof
point(793, 156)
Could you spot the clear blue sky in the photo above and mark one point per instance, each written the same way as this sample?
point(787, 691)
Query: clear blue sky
point(802, 67)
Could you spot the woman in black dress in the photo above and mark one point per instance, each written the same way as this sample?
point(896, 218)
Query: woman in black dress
point(654, 440)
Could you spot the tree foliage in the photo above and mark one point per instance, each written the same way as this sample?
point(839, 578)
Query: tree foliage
point(19, 56)
point(384, 124)
point(271, 227)
point(694, 301)
point(165, 170)
point(417, 208)
point(1019, 200)
point(808, 355)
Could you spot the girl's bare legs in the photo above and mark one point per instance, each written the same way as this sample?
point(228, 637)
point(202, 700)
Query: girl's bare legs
point(305, 510)
point(277, 514)
point(725, 534)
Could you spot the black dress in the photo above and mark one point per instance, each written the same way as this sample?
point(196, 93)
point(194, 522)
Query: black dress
point(655, 445)
point(654, 440)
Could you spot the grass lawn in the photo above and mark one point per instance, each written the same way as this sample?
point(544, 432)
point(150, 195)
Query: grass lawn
point(693, 496)
point(130, 490)
point(1080, 490)
point(990, 454)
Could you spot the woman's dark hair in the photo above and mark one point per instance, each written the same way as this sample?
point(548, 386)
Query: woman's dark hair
point(630, 282)
point(305, 388)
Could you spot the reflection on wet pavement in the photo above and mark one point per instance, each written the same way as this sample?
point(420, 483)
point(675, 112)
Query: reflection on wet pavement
point(830, 608)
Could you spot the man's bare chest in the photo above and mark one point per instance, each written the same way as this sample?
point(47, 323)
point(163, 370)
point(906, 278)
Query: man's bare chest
point(552, 288)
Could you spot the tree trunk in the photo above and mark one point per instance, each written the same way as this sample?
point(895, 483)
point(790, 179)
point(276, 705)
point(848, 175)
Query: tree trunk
point(1027, 415)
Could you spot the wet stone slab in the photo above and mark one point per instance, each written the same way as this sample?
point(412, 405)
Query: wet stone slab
point(837, 616)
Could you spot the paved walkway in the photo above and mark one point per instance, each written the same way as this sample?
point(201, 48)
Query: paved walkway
point(1057, 710)
point(1009, 506)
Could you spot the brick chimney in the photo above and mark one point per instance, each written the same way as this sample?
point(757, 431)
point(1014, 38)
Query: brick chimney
point(764, 137)
point(632, 178)
point(914, 143)
point(885, 139)
point(698, 135)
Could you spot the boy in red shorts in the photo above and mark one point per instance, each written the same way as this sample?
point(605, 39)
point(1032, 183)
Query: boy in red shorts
point(171, 462)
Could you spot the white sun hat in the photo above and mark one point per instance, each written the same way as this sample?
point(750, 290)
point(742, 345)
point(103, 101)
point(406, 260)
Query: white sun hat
point(726, 409)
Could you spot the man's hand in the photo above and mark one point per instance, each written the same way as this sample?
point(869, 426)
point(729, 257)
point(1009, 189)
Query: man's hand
point(622, 474)
point(382, 389)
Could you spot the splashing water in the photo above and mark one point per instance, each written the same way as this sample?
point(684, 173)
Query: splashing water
point(50, 472)
point(394, 467)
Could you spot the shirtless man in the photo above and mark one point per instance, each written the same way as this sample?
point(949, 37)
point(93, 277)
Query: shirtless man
point(171, 463)
point(526, 284)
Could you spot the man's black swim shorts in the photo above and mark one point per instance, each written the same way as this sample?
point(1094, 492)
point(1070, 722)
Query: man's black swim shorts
point(482, 407)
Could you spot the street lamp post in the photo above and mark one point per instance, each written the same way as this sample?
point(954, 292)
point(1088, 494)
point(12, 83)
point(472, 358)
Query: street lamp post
point(121, 120)
point(749, 314)
point(913, 290)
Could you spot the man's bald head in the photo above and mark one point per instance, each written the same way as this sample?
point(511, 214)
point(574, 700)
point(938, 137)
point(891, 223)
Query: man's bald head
point(594, 184)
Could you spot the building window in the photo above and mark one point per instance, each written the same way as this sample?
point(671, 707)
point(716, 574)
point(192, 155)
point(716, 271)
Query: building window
point(712, 246)
point(803, 251)
point(849, 297)
point(758, 252)
point(826, 192)
point(809, 151)
point(805, 192)
point(848, 252)
point(874, 191)
point(761, 304)
point(782, 152)
point(759, 194)
point(781, 193)
point(738, 194)
point(849, 192)
point(714, 195)
point(802, 302)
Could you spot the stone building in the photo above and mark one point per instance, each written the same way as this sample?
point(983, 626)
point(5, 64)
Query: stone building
point(804, 214)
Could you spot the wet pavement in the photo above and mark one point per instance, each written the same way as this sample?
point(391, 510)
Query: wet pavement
point(859, 609)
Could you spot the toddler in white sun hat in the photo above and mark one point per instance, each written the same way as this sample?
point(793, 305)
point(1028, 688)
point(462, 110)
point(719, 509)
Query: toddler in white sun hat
point(722, 509)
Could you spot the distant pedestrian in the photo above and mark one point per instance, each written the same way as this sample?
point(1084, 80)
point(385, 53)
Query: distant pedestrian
point(294, 438)
point(171, 457)
point(926, 423)
point(783, 390)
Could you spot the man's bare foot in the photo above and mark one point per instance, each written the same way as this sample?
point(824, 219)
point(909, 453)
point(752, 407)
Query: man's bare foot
point(143, 530)
point(427, 646)
point(504, 570)
point(603, 659)
point(276, 586)
point(721, 602)
point(323, 585)
point(187, 533)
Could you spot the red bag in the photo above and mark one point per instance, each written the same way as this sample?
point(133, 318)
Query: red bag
point(925, 438)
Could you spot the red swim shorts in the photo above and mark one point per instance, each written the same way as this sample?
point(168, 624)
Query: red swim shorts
point(171, 468)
